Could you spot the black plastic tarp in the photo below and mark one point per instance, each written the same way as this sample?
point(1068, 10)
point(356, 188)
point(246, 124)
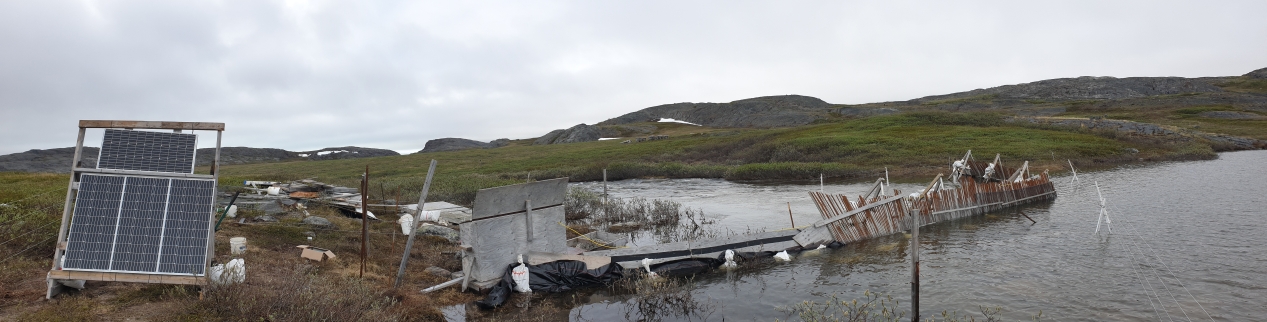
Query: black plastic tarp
point(553, 277)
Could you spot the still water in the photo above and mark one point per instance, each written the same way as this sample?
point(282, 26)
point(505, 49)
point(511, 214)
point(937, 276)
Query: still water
point(1187, 240)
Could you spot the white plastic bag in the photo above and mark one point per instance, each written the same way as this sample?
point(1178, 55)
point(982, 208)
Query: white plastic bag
point(232, 212)
point(646, 264)
point(730, 259)
point(520, 275)
point(820, 246)
point(783, 256)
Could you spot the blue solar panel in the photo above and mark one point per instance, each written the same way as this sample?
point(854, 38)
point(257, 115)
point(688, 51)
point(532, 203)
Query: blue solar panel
point(140, 224)
point(148, 151)
point(91, 237)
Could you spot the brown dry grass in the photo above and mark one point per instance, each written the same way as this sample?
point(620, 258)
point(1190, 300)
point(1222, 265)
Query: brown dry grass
point(280, 286)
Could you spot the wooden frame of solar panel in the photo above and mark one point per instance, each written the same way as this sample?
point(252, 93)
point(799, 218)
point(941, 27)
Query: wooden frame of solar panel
point(153, 165)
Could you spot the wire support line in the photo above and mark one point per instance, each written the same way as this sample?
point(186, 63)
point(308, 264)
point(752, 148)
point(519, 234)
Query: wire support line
point(1130, 227)
point(1134, 249)
point(1155, 274)
point(28, 232)
point(6, 259)
point(1144, 277)
point(1135, 263)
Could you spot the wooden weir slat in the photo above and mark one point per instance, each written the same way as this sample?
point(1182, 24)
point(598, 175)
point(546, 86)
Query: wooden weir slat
point(883, 215)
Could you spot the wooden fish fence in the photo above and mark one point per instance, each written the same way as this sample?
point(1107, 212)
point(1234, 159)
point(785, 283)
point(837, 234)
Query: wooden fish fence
point(847, 221)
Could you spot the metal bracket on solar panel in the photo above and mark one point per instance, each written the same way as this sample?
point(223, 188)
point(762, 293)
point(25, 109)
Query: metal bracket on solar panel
point(74, 185)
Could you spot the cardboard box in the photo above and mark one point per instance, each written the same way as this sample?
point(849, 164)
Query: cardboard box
point(315, 253)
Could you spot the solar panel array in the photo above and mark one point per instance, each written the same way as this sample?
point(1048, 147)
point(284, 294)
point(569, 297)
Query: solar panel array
point(148, 151)
point(140, 225)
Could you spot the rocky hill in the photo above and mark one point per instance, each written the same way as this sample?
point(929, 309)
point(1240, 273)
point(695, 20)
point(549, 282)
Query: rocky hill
point(760, 112)
point(50, 160)
point(1055, 96)
point(58, 160)
point(454, 144)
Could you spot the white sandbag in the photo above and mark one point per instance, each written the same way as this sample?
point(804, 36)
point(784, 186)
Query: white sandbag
point(730, 259)
point(233, 272)
point(821, 246)
point(429, 215)
point(76, 284)
point(273, 191)
point(783, 256)
point(406, 223)
point(520, 275)
point(232, 212)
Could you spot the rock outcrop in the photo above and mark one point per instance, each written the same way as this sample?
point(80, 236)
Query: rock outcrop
point(761, 112)
point(578, 133)
point(455, 144)
point(1261, 73)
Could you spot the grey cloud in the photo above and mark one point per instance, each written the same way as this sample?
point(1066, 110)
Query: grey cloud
point(312, 74)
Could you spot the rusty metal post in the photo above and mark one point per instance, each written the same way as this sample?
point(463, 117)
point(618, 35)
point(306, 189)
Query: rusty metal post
point(365, 219)
point(914, 265)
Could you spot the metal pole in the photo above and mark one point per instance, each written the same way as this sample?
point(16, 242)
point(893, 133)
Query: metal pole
point(409, 242)
point(226, 210)
point(604, 183)
point(915, 267)
point(365, 219)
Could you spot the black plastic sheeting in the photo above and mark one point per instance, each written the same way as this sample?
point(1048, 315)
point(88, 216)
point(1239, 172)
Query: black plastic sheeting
point(553, 277)
point(566, 275)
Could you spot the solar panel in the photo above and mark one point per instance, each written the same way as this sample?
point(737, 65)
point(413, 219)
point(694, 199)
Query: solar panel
point(140, 224)
point(148, 151)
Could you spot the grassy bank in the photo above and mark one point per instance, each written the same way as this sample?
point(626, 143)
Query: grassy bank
point(912, 145)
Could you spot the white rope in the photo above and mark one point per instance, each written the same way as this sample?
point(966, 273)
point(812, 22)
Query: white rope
point(1136, 266)
point(1174, 276)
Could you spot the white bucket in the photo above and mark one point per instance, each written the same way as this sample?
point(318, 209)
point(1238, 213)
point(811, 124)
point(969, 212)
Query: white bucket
point(237, 245)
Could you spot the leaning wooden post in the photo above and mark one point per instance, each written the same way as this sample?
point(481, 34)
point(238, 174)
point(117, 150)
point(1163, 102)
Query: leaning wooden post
point(413, 231)
point(789, 215)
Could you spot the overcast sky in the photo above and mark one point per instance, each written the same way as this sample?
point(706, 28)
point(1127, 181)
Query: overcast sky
point(302, 75)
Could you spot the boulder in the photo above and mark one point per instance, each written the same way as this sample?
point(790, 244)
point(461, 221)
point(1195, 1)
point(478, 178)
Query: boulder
point(265, 218)
point(318, 222)
point(438, 231)
point(438, 272)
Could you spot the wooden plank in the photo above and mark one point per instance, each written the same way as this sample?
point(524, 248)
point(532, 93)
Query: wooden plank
point(161, 125)
point(126, 277)
point(824, 222)
point(144, 173)
point(510, 199)
point(697, 246)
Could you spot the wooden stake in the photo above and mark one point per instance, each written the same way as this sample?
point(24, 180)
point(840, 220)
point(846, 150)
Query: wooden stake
point(789, 215)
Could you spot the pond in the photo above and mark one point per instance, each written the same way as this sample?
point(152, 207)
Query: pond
point(1186, 241)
